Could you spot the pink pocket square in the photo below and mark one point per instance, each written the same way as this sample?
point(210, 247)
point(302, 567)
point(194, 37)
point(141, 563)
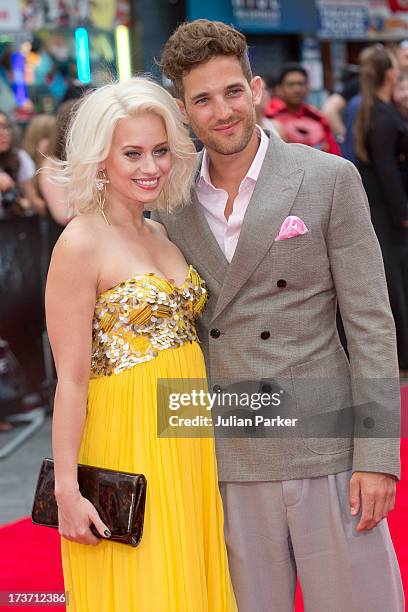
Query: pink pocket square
point(291, 227)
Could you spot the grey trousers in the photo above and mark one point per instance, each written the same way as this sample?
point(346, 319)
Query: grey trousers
point(277, 531)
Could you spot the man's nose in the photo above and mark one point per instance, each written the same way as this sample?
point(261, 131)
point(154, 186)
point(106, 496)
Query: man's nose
point(223, 110)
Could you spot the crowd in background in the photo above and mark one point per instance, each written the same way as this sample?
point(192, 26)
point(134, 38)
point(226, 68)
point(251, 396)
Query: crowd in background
point(366, 122)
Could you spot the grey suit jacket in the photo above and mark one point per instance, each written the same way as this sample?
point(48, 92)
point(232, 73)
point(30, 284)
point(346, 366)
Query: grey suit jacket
point(290, 289)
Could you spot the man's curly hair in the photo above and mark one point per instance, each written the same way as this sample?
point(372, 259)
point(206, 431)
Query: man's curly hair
point(198, 41)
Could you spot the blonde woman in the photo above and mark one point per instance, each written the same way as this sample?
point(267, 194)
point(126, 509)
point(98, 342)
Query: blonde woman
point(121, 303)
point(54, 192)
point(37, 137)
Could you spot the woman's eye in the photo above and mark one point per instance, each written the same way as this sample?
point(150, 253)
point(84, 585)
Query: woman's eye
point(160, 152)
point(132, 154)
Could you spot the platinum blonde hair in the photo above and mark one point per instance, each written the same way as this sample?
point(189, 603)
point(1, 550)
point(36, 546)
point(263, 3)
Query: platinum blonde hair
point(89, 140)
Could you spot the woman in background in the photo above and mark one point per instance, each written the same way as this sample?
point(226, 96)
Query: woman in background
point(17, 170)
point(381, 136)
point(54, 193)
point(36, 143)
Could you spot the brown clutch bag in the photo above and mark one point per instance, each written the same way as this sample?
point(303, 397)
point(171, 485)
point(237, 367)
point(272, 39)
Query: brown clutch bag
point(119, 498)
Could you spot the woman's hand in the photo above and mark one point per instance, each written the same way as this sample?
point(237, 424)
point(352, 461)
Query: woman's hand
point(39, 206)
point(6, 182)
point(24, 203)
point(75, 515)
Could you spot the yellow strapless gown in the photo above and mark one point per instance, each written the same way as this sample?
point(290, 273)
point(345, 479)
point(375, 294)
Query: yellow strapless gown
point(143, 330)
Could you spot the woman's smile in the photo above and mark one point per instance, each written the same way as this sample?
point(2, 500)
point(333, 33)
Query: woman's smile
point(148, 184)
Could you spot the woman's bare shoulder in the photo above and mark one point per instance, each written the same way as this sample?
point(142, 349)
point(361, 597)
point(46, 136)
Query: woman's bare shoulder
point(76, 259)
point(80, 237)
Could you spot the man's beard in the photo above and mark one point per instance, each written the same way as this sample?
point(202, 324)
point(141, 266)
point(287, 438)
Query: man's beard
point(225, 147)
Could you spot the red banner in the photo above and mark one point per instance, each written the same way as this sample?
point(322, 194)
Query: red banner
point(398, 5)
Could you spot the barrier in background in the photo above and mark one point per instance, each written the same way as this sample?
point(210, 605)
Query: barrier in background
point(24, 256)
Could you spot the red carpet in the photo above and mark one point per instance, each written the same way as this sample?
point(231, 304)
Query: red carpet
point(30, 558)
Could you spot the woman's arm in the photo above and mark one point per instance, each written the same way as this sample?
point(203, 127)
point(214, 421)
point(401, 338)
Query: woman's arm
point(25, 179)
point(6, 182)
point(30, 192)
point(54, 196)
point(70, 302)
point(333, 109)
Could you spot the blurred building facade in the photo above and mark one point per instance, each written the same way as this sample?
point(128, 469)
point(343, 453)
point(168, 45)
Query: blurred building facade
point(46, 45)
point(41, 52)
point(325, 35)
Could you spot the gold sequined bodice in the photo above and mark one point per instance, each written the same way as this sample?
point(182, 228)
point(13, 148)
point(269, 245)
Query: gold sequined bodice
point(141, 316)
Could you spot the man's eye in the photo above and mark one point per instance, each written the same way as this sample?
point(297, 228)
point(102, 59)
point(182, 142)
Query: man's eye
point(234, 92)
point(202, 101)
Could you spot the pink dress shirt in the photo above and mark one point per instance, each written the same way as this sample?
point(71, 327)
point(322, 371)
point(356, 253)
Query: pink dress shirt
point(214, 200)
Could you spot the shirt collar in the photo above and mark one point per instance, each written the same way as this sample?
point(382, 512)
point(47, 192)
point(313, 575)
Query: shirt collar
point(254, 170)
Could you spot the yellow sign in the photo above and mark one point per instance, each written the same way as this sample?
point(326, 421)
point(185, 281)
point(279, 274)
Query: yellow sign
point(103, 13)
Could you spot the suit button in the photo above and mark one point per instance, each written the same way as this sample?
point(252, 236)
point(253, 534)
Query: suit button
point(266, 388)
point(265, 335)
point(281, 283)
point(217, 389)
point(215, 333)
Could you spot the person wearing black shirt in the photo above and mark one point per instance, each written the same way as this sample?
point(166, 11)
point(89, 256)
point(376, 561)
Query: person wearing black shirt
point(381, 137)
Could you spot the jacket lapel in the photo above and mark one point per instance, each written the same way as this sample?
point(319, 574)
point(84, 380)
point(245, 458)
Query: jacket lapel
point(276, 189)
point(197, 233)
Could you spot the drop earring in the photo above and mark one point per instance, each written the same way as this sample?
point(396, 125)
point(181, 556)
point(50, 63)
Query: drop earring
point(101, 181)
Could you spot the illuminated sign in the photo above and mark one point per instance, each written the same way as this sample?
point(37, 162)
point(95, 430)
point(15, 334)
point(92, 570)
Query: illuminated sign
point(82, 55)
point(123, 52)
point(19, 83)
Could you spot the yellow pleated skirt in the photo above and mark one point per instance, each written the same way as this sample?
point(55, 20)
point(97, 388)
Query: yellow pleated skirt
point(181, 563)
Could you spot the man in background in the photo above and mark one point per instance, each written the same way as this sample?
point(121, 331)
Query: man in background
point(299, 122)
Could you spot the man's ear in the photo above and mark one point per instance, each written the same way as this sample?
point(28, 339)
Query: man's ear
point(257, 89)
point(182, 108)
